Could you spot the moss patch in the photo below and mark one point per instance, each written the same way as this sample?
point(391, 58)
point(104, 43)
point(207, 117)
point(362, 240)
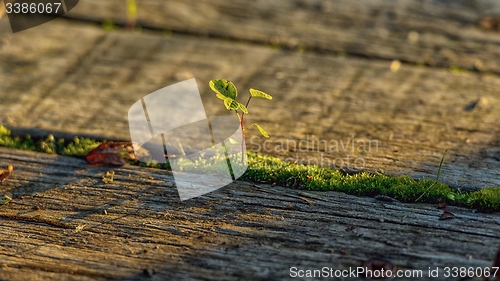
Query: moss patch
point(75, 147)
point(267, 169)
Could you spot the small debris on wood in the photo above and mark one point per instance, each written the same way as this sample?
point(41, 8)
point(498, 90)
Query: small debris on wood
point(5, 174)
point(447, 215)
point(306, 200)
point(481, 102)
point(149, 272)
point(489, 24)
point(36, 208)
point(385, 198)
point(442, 205)
point(6, 200)
point(80, 227)
point(108, 177)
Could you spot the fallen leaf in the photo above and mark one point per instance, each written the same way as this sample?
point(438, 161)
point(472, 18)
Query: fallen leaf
point(5, 174)
point(111, 153)
point(447, 215)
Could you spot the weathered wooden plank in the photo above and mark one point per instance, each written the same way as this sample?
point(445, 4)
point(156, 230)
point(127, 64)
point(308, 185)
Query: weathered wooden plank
point(237, 232)
point(437, 33)
point(323, 104)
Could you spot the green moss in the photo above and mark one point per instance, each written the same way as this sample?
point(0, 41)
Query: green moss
point(6, 139)
point(403, 188)
point(76, 147)
point(267, 169)
point(487, 199)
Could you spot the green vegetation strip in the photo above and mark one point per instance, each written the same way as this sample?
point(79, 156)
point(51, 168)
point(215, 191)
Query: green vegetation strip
point(311, 177)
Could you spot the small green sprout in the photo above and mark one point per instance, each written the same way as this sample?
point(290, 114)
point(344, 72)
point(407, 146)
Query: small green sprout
point(226, 91)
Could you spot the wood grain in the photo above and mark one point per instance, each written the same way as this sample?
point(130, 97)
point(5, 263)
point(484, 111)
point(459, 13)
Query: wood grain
point(81, 80)
point(241, 231)
point(436, 33)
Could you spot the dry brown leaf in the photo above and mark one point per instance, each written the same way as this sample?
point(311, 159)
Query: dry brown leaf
point(5, 174)
point(447, 215)
point(116, 153)
point(111, 153)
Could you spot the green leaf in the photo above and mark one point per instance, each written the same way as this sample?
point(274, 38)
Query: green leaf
point(231, 104)
point(224, 87)
point(220, 96)
point(261, 130)
point(243, 108)
point(259, 94)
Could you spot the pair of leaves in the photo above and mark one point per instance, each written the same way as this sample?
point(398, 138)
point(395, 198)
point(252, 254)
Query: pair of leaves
point(226, 91)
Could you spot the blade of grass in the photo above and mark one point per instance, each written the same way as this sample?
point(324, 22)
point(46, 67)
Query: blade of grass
point(437, 177)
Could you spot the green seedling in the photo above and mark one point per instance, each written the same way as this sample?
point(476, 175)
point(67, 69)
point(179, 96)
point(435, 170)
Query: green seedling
point(226, 91)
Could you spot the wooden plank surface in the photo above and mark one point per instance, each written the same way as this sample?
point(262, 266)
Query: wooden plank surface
point(79, 79)
point(56, 228)
point(329, 70)
point(435, 33)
